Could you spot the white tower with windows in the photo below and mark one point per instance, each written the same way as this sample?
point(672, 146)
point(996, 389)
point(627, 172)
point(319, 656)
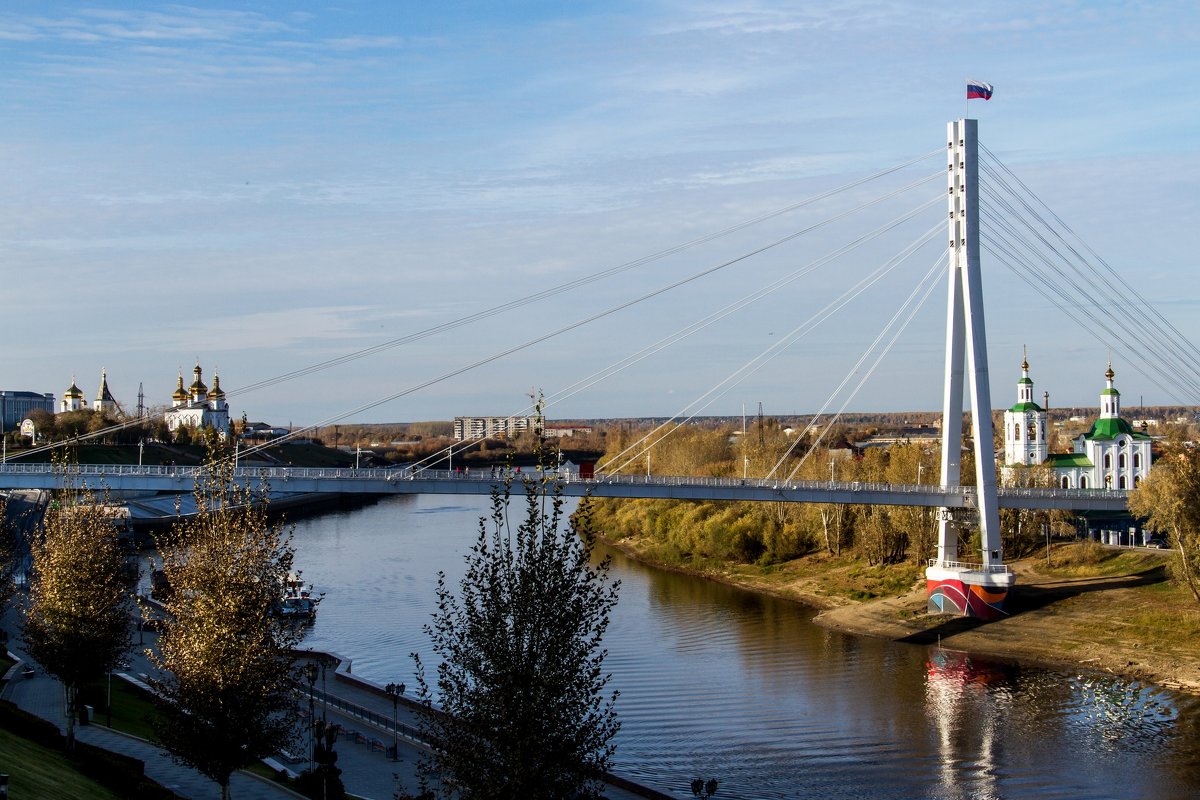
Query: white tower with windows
point(1025, 439)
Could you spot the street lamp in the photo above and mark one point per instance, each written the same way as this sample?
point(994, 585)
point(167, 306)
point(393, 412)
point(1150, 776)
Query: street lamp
point(310, 674)
point(704, 789)
point(394, 690)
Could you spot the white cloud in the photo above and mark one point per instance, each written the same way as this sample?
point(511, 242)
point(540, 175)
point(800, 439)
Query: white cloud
point(271, 330)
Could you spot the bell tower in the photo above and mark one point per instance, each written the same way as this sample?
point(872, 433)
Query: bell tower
point(1025, 440)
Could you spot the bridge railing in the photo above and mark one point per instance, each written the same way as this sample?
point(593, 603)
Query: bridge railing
point(994, 569)
point(280, 475)
point(774, 483)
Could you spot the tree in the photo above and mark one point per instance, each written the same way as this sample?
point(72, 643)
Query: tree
point(1169, 499)
point(227, 660)
point(909, 463)
point(1023, 530)
point(80, 605)
point(521, 686)
point(9, 546)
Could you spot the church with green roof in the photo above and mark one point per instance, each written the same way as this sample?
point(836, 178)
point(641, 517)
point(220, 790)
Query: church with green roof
point(1112, 455)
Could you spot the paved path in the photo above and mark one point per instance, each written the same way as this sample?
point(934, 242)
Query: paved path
point(368, 770)
point(43, 695)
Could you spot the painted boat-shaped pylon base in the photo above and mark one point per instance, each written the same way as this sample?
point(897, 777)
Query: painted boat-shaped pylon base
point(969, 591)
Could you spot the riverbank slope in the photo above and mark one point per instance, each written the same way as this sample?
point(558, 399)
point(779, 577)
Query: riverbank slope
point(1091, 608)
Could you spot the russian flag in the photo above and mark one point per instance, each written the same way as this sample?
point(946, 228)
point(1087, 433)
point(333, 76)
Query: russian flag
point(978, 90)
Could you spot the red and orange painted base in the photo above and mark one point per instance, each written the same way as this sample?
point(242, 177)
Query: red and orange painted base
point(967, 592)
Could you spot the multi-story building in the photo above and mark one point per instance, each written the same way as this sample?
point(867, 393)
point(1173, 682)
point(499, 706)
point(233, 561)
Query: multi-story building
point(492, 427)
point(15, 406)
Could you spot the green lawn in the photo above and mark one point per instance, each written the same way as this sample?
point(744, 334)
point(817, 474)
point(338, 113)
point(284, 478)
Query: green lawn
point(132, 710)
point(131, 707)
point(37, 773)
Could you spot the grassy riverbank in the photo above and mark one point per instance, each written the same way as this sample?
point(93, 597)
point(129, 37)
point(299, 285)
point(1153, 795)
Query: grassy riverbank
point(44, 772)
point(1091, 608)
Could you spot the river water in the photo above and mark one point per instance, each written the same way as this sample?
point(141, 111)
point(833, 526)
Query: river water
point(716, 682)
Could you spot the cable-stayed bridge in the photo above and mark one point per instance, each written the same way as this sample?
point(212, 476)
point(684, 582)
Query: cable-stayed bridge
point(310, 480)
point(1020, 233)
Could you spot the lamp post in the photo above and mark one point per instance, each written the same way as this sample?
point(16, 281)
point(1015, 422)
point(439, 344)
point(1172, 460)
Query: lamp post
point(394, 690)
point(324, 661)
point(704, 789)
point(310, 674)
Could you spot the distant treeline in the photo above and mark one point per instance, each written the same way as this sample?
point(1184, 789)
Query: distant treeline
point(699, 533)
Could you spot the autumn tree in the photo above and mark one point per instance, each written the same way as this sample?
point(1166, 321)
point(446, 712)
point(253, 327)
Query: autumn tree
point(1022, 529)
point(909, 463)
point(77, 623)
point(227, 660)
point(1169, 499)
point(520, 691)
point(9, 559)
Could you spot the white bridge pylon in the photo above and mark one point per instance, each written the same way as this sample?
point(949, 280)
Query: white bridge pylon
point(974, 589)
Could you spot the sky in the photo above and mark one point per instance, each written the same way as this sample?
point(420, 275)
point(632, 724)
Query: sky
point(265, 186)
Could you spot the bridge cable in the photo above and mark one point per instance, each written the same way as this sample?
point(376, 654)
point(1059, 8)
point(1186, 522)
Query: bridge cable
point(547, 293)
point(652, 349)
point(573, 284)
point(1124, 286)
point(1156, 337)
point(769, 353)
point(1004, 251)
point(1103, 304)
point(920, 290)
point(1145, 354)
point(1150, 352)
point(564, 329)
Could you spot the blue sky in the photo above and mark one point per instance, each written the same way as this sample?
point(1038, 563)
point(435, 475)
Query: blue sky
point(267, 185)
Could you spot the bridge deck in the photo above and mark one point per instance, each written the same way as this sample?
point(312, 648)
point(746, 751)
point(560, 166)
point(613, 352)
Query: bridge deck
point(128, 478)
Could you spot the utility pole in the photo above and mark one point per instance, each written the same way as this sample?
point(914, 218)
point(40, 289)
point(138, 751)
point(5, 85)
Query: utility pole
point(761, 439)
point(745, 453)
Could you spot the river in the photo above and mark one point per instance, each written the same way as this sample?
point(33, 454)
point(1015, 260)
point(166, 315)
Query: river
point(717, 682)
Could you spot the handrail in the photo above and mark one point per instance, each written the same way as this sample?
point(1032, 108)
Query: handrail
point(366, 714)
point(992, 569)
point(492, 475)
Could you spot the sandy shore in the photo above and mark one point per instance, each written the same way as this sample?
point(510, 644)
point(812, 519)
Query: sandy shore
point(1103, 624)
point(1087, 624)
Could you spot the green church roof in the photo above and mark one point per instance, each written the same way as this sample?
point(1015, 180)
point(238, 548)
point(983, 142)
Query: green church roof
point(1070, 460)
point(1111, 428)
point(1025, 380)
point(1026, 407)
point(1104, 392)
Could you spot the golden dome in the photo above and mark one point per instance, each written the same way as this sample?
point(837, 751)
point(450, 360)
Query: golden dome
point(197, 386)
point(180, 393)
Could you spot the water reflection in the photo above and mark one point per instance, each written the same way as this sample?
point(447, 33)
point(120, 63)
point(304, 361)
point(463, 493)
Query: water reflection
point(965, 717)
point(723, 683)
